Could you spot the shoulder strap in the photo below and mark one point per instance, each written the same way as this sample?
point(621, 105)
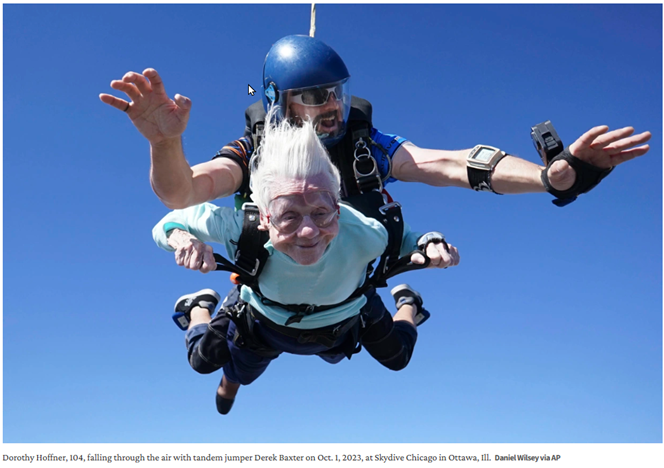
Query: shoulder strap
point(343, 154)
point(360, 110)
point(363, 186)
point(251, 255)
point(254, 117)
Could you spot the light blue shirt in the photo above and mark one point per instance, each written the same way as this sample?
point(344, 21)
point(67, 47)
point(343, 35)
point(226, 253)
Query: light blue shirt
point(339, 272)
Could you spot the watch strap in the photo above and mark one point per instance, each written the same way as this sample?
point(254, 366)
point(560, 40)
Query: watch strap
point(480, 179)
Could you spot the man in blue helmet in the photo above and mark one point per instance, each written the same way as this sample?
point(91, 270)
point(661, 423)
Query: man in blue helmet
point(322, 92)
point(303, 76)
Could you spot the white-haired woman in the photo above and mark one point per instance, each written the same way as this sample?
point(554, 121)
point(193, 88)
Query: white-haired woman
point(318, 254)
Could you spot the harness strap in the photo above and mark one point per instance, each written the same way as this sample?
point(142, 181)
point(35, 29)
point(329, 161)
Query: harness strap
point(389, 215)
point(244, 336)
point(378, 280)
point(327, 336)
point(393, 222)
point(249, 265)
point(250, 256)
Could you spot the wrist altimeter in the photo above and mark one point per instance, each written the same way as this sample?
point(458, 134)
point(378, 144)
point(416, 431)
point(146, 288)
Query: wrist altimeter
point(546, 140)
point(480, 164)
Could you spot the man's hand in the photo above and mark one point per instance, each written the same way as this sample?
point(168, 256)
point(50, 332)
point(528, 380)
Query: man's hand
point(440, 257)
point(601, 149)
point(154, 114)
point(190, 252)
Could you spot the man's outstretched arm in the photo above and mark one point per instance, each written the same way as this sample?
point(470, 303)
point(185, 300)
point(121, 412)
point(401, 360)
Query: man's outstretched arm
point(180, 186)
point(162, 121)
point(513, 175)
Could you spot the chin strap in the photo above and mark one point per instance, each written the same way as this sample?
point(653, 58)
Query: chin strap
point(587, 178)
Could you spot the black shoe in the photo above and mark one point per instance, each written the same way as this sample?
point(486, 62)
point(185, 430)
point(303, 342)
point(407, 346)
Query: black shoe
point(224, 405)
point(404, 294)
point(205, 298)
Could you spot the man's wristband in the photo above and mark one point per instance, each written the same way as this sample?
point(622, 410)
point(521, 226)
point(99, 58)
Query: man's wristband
point(480, 164)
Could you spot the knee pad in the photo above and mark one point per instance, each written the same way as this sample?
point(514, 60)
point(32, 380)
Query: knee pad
point(390, 343)
point(213, 346)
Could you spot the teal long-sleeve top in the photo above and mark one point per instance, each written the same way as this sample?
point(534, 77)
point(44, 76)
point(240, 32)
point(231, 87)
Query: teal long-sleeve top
point(331, 280)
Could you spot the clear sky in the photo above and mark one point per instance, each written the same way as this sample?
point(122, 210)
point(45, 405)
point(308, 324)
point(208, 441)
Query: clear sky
point(550, 330)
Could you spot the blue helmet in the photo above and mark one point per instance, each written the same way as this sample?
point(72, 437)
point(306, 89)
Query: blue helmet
point(306, 78)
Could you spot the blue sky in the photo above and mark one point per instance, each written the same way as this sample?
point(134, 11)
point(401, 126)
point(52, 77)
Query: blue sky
point(550, 330)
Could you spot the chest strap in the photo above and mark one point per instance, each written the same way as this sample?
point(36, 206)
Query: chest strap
point(300, 311)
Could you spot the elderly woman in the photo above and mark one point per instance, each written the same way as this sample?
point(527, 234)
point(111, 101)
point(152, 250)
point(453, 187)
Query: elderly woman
point(318, 249)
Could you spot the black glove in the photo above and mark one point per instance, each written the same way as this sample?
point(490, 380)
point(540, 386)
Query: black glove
point(587, 178)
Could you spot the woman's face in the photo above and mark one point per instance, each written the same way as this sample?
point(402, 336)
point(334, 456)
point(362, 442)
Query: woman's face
point(302, 218)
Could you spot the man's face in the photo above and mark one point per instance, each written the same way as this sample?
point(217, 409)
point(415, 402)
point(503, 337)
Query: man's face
point(327, 119)
point(307, 208)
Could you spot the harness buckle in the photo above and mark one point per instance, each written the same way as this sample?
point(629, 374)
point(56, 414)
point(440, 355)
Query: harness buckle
point(365, 168)
point(250, 207)
point(251, 272)
point(389, 206)
point(304, 310)
point(361, 145)
point(297, 318)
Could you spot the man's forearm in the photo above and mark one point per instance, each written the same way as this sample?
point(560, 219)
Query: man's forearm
point(443, 168)
point(179, 186)
point(515, 175)
point(170, 175)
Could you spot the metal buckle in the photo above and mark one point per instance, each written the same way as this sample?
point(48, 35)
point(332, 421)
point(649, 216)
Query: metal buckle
point(250, 273)
point(385, 208)
point(249, 207)
point(373, 172)
point(361, 146)
point(362, 155)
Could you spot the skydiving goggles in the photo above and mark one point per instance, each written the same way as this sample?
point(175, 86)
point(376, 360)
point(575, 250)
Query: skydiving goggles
point(319, 95)
point(287, 213)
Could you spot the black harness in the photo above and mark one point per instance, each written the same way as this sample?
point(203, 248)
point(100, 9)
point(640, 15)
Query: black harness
point(362, 188)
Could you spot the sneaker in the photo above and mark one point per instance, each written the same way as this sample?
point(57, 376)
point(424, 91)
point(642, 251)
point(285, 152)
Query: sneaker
point(404, 294)
point(205, 298)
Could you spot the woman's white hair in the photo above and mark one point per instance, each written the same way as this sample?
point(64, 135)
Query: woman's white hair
point(288, 152)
